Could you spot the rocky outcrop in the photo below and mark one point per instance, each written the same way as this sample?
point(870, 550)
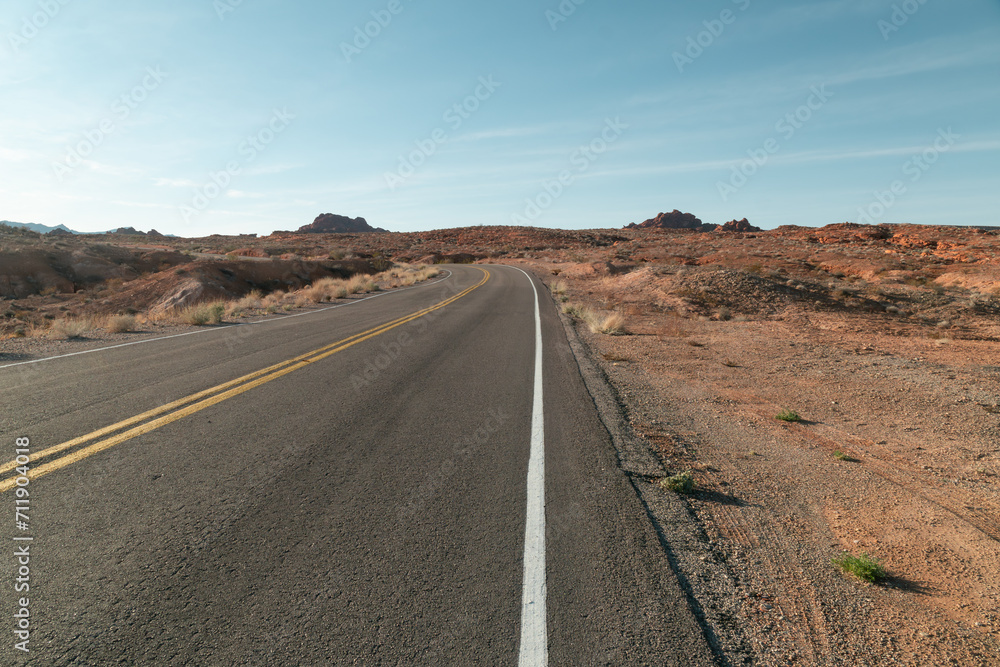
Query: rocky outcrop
point(738, 226)
point(674, 220)
point(330, 223)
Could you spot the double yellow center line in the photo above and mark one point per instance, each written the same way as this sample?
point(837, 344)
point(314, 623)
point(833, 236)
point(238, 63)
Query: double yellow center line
point(183, 407)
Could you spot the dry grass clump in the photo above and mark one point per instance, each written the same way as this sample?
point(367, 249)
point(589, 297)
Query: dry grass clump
point(361, 284)
point(327, 289)
point(613, 325)
point(273, 299)
point(324, 289)
point(66, 329)
point(251, 301)
point(606, 323)
point(120, 323)
point(405, 276)
point(559, 288)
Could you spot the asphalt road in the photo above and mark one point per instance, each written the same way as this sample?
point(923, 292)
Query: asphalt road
point(365, 504)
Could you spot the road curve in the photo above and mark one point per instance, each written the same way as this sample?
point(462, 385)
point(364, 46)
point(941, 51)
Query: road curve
point(346, 487)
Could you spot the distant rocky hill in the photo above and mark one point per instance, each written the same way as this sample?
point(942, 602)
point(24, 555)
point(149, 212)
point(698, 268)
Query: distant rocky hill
point(678, 220)
point(35, 227)
point(330, 223)
point(673, 220)
point(63, 229)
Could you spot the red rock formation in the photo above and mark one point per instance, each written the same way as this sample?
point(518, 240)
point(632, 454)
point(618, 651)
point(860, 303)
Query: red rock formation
point(330, 223)
point(738, 226)
point(673, 220)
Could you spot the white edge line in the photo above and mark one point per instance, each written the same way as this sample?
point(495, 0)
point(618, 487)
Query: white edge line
point(225, 328)
point(534, 650)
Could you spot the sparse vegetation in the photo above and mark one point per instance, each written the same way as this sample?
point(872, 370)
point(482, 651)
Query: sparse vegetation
point(559, 288)
point(67, 329)
point(788, 416)
point(863, 567)
point(572, 310)
point(682, 482)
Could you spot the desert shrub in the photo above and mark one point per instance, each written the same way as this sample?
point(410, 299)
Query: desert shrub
point(682, 482)
point(203, 314)
point(559, 287)
point(788, 416)
point(571, 309)
point(863, 567)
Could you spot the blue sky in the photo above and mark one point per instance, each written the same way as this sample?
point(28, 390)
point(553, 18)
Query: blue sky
point(225, 116)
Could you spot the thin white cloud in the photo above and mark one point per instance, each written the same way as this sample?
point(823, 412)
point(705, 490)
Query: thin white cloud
point(931, 55)
point(242, 194)
point(18, 155)
point(271, 169)
point(828, 156)
point(801, 157)
point(175, 183)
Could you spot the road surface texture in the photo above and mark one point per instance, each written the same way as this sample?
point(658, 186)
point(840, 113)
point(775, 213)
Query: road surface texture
point(348, 486)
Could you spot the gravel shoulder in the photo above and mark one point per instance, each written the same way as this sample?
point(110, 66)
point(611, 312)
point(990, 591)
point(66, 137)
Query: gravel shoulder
point(896, 456)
